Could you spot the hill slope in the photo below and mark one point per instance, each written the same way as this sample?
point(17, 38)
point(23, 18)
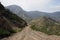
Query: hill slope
point(9, 22)
point(46, 25)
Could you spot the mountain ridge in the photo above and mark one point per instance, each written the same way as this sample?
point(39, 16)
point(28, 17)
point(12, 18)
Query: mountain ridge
point(34, 14)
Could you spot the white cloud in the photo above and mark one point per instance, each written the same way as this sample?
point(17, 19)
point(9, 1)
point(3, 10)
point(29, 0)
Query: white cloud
point(53, 8)
point(34, 4)
point(29, 5)
point(9, 2)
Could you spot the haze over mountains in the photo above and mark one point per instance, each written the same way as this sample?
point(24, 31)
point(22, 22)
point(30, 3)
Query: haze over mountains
point(29, 15)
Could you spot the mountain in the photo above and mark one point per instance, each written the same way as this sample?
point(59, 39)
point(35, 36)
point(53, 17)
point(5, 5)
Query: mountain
point(55, 16)
point(30, 15)
point(10, 22)
point(19, 11)
point(15, 8)
point(24, 14)
point(46, 25)
point(36, 14)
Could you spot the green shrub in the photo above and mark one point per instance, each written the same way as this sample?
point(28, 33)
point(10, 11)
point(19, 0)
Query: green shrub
point(16, 30)
point(4, 32)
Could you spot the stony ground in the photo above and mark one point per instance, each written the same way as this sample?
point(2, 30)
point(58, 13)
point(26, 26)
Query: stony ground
point(29, 34)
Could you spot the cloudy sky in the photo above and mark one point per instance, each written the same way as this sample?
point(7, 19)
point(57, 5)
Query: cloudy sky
point(35, 5)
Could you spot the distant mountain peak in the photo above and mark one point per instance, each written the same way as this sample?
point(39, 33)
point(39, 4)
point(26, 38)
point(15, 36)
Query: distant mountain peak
point(15, 6)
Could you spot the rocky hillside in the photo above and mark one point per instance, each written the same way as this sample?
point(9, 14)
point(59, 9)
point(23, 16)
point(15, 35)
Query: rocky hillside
point(9, 22)
point(46, 25)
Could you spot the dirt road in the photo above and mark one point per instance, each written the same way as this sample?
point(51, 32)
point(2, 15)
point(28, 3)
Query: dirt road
point(29, 34)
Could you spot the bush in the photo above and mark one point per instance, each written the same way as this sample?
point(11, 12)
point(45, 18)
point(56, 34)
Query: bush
point(4, 33)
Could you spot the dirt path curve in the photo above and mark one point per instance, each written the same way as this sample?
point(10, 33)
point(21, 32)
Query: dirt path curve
point(29, 34)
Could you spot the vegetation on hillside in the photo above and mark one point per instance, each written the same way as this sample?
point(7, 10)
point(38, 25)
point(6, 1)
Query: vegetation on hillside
point(9, 22)
point(46, 25)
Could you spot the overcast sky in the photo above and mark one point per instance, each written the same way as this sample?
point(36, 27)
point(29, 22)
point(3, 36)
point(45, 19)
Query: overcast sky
point(35, 5)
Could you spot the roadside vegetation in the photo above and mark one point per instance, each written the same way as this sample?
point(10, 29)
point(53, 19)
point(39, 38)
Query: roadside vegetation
point(48, 26)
